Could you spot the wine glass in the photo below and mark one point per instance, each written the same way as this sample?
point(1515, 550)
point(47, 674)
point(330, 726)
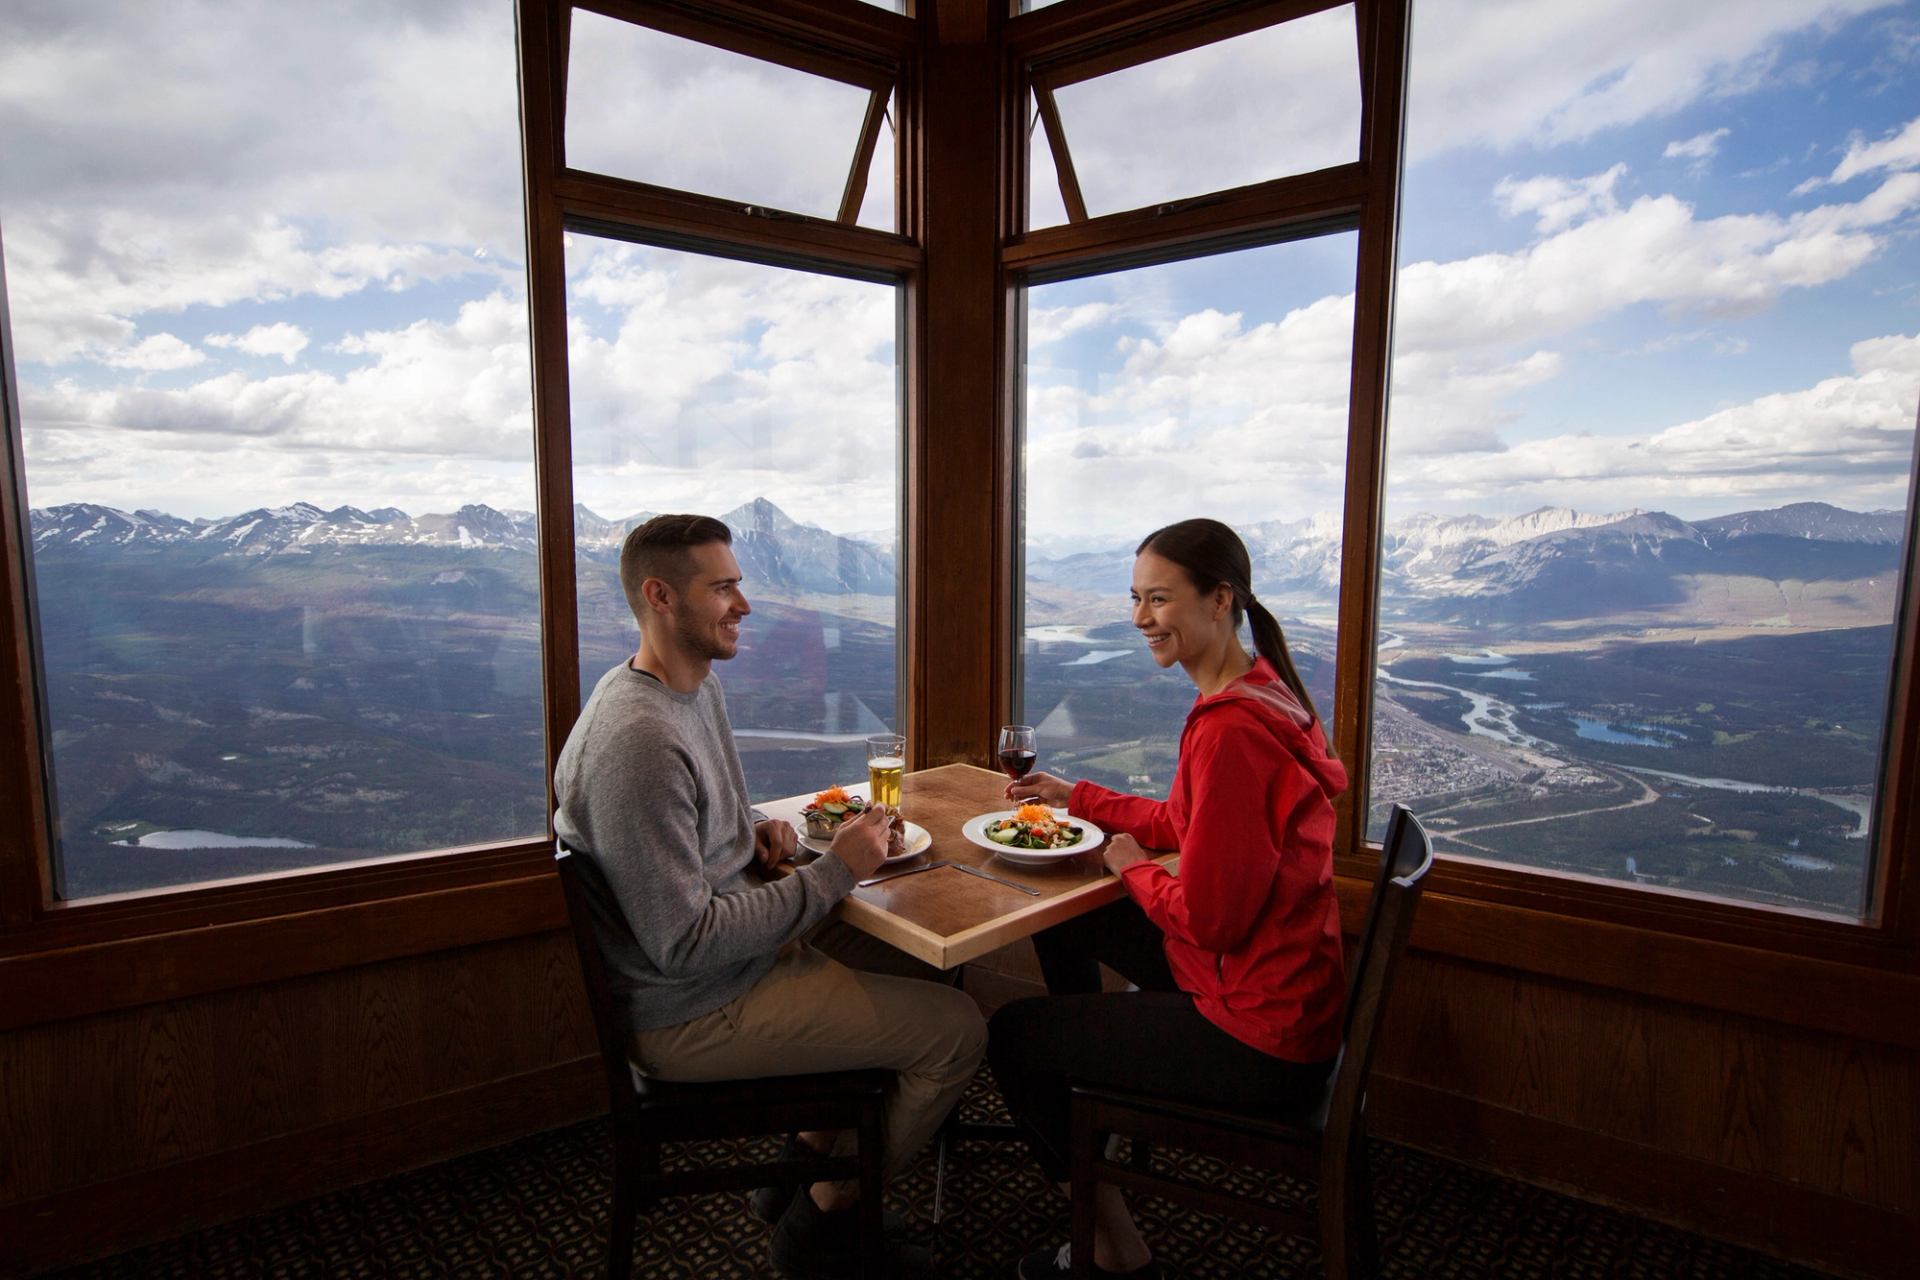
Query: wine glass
point(1016, 750)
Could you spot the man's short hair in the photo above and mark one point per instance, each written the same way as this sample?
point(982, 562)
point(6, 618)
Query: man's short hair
point(662, 548)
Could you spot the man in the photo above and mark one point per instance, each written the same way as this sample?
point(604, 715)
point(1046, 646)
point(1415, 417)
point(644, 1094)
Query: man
point(704, 952)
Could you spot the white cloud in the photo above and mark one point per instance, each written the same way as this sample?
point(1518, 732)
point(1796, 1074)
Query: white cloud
point(1899, 150)
point(1701, 146)
point(1850, 434)
point(1653, 251)
point(460, 390)
point(160, 352)
point(1048, 325)
point(719, 381)
point(1474, 337)
point(278, 339)
point(1503, 72)
point(1560, 202)
point(266, 154)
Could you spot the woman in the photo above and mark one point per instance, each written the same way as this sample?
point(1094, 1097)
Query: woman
point(1238, 957)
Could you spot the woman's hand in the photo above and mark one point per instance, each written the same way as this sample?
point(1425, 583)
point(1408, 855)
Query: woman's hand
point(1049, 790)
point(1123, 851)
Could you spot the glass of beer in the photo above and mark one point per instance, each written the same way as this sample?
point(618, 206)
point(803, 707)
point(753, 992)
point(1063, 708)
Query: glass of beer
point(886, 762)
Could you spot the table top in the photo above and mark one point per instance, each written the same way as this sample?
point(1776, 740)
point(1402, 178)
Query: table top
point(945, 916)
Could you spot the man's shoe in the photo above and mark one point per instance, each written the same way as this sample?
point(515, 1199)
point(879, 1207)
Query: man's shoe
point(1057, 1264)
point(769, 1203)
point(811, 1244)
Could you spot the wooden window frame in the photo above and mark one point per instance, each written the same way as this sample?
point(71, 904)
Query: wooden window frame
point(1803, 967)
point(66, 959)
point(960, 416)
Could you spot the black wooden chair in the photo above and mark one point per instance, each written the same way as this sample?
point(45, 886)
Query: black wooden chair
point(1328, 1147)
point(648, 1112)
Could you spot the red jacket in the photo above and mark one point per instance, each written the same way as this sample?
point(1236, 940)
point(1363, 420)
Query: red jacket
point(1252, 926)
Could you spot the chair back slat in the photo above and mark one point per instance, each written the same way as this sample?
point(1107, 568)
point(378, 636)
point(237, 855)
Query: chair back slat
point(577, 869)
point(1405, 859)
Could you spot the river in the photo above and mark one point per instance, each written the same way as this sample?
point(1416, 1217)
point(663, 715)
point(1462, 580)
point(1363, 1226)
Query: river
point(1489, 717)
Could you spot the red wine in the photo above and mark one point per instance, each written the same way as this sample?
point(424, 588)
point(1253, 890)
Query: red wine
point(1015, 763)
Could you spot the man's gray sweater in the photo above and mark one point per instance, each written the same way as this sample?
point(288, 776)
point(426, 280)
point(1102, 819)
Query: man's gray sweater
point(649, 785)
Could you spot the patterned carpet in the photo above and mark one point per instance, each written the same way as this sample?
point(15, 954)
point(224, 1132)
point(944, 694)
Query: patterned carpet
point(537, 1209)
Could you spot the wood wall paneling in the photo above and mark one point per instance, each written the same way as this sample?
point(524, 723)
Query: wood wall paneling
point(1727, 1091)
point(87, 1100)
point(121, 1213)
point(47, 985)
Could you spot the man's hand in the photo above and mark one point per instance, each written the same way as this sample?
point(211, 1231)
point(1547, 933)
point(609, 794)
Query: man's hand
point(773, 843)
point(1123, 851)
point(1049, 790)
point(864, 842)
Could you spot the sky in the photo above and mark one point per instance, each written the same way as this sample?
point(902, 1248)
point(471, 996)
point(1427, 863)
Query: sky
point(1653, 255)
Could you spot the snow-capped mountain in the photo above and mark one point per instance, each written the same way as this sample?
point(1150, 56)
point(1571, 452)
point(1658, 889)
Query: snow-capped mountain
point(290, 530)
point(85, 523)
point(773, 548)
point(1548, 564)
point(776, 549)
point(1812, 520)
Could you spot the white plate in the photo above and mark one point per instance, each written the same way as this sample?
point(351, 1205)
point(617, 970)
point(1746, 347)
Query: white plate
point(976, 831)
point(917, 841)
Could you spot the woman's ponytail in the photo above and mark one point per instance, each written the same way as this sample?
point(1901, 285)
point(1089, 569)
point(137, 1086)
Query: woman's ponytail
point(1271, 643)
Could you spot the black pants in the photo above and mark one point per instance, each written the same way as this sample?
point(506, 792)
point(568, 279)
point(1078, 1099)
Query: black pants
point(1151, 1041)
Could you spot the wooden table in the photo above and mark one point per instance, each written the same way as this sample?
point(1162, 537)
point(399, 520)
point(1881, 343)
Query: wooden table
point(945, 916)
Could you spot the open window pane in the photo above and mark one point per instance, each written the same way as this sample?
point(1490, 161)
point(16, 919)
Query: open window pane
point(271, 340)
point(660, 109)
point(1278, 101)
point(1652, 433)
point(767, 397)
point(1045, 208)
point(879, 207)
point(1214, 387)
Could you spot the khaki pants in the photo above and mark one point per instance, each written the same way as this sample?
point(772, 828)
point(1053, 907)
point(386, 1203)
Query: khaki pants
point(811, 1014)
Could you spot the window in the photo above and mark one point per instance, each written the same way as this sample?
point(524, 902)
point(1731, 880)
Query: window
point(765, 396)
point(673, 112)
point(271, 347)
point(1277, 101)
point(1652, 436)
point(1218, 387)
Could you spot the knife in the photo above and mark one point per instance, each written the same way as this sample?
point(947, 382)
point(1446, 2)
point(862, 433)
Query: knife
point(988, 875)
point(870, 881)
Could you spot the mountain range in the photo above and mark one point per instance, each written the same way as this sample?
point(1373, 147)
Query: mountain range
point(1546, 564)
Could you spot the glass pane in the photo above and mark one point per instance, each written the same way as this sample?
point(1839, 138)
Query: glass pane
point(1215, 387)
point(766, 397)
point(677, 113)
point(1653, 410)
point(266, 290)
point(1045, 208)
point(1276, 102)
point(878, 208)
